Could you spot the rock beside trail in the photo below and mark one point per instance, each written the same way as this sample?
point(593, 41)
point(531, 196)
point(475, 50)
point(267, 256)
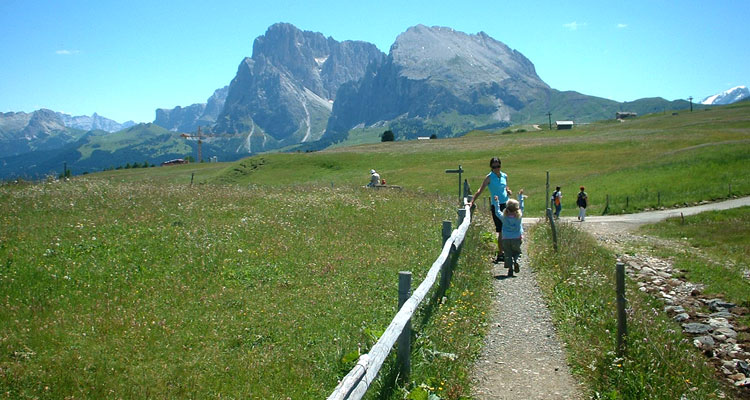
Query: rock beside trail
point(715, 332)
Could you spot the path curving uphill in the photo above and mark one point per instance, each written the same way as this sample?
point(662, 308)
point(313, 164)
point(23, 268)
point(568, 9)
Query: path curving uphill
point(522, 357)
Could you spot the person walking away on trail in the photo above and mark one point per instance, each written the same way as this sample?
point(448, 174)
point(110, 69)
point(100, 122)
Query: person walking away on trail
point(512, 232)
point(557, 201)
point(498, 184)
point(582, 202)
point(374, 178)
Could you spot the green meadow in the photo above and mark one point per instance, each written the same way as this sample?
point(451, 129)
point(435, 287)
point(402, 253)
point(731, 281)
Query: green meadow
point(265, 278)
point(658, 160)
point(139, 290)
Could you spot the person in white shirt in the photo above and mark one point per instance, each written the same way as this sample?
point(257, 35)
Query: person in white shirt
point(374, 178)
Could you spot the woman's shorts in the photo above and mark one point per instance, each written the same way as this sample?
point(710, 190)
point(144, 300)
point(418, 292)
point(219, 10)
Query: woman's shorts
point(498, 222)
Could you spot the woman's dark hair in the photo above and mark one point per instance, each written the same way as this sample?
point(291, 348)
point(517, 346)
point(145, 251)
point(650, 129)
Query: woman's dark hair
point(495, 159)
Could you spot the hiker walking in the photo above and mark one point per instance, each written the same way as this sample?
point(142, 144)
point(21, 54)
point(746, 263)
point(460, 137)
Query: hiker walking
point(582, 202)
point(498, 184)
point(557, 201)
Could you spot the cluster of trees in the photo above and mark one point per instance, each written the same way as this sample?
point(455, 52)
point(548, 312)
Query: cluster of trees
point(129, 166)
point(389, 136)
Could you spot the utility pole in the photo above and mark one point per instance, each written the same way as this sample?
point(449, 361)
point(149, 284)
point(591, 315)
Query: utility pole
point(691, 103)
point(549, 116)
point(200, 137)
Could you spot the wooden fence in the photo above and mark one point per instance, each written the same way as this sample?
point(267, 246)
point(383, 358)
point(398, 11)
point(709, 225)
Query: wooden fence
point(358, 380)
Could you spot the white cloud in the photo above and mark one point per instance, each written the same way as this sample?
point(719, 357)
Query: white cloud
point(66, 52)
point(573, 26)
point(622, 26)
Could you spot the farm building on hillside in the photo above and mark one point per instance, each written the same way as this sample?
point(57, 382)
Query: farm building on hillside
point(176, 161)
point(564, 124)
point(624, 114)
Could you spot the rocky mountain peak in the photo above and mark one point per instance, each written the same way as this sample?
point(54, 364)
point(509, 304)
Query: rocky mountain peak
point(444, 54)
point(434, 71)
point(728, 96)
point(283, 94)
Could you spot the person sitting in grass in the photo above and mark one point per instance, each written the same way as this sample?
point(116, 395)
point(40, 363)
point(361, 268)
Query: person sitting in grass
point(374, 178)
point(512, 232)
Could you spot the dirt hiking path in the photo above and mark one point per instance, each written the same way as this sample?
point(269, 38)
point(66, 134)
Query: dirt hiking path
point(522, 357)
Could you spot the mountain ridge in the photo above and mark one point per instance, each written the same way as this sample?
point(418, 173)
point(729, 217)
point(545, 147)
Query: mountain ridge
point(301, 90)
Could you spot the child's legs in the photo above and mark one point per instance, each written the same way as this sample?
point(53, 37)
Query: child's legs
point(507, 249)
point(512, 249)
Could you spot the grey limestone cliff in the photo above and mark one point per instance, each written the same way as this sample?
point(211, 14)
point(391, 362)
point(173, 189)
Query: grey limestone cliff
point(188, 119)
point(284, 93)
point(431, 71)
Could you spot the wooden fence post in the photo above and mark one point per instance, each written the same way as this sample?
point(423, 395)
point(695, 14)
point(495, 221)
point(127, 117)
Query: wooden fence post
point(622, 328)
point(461, 215)
point(546, 201)
point(606, 206)
point(404, 339)
point(554, 229)
point(447, 229)
point(658, 199)
point(192, 175)
point(445, 268)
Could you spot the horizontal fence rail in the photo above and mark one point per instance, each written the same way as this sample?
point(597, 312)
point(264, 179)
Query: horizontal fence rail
point(358, 380)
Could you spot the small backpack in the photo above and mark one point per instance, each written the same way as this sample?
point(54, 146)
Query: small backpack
point(581, 202)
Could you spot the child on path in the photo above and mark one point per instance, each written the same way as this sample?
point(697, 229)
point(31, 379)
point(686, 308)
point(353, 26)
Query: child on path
point(557, 201)
point(512, 232)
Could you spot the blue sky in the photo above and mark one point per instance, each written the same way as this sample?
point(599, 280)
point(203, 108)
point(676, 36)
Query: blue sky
point(124, 59)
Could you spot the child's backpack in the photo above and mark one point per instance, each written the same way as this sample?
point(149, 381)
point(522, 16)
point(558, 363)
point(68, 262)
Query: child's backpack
point(556, 198)
point(581, 202)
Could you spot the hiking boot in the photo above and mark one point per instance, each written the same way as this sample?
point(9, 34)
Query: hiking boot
point(516, 267)
point(500, 258)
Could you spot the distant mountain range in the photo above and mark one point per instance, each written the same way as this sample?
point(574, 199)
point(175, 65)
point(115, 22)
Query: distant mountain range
point(188, 119)
point(729, 96)
point(302, 91)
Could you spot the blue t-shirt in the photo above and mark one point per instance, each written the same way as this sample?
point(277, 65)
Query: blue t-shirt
point(497, 187)
point(512, 226)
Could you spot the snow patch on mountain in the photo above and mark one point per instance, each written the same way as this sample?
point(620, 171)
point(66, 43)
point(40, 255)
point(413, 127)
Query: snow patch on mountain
point(729, 96)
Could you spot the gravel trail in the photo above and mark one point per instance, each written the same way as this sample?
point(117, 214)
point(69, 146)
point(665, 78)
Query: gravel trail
point(522, 357)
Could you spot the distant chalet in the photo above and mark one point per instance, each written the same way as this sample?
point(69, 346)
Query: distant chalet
point(564, 125)
point(623, 115)
point(176, 161)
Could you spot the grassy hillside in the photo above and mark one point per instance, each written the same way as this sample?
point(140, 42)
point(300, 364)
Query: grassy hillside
point(152, 290)
point(279, 268)
point(651, 161)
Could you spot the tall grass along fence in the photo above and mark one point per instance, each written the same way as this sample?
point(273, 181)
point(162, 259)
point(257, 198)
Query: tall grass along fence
point(650, 198)
point(355, 384)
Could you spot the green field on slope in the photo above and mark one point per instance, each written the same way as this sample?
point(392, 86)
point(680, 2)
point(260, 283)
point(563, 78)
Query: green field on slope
point(658, 160)
point(265, 277)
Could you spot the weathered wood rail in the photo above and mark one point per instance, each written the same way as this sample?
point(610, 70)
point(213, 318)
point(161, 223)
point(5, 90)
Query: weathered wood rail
point(358, 380)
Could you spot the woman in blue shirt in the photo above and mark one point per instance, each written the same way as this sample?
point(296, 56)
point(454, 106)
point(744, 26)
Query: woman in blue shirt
point(498, 183)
